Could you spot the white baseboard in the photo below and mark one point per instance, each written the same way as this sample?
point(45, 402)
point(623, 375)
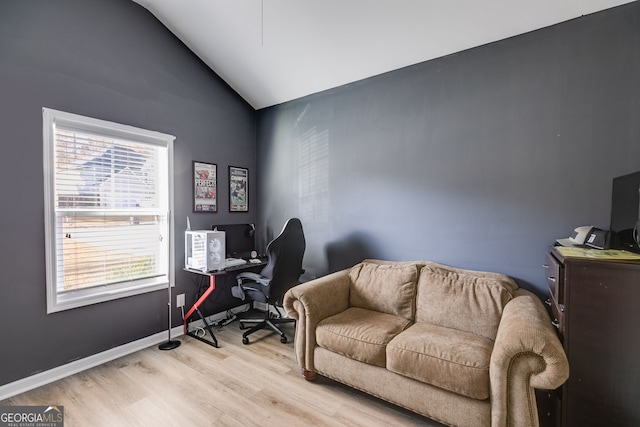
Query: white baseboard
point(46, 377)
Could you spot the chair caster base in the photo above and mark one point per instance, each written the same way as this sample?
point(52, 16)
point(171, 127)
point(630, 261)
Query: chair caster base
point(245, 340)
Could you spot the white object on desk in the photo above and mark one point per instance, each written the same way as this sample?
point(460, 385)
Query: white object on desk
point(204, 250)
point(232, 262)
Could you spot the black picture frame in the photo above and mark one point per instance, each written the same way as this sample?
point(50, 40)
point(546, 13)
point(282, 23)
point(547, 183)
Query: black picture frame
point(238, 189)
point(205, 187)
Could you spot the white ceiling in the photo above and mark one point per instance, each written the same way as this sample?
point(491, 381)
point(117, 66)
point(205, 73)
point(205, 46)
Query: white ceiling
point(272, 51)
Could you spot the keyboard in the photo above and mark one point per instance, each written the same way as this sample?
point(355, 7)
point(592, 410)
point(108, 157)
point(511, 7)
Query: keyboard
point(232, 262)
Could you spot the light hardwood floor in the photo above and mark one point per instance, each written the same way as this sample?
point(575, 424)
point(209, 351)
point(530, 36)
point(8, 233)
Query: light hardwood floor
point(197, 385)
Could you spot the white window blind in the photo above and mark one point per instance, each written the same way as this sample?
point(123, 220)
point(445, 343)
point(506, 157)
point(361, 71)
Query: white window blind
point(107, 190)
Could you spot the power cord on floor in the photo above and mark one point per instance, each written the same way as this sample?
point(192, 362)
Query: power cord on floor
point(230, 317)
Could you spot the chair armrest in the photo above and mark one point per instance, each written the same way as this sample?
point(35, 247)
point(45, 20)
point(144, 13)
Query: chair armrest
point(255, 277)
point(527, 354)
point(311, 302)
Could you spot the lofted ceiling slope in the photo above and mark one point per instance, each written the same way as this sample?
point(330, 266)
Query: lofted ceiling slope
point(273, 51)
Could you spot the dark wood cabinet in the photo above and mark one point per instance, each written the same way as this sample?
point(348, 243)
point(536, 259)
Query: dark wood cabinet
point(549, 407)
point(595, 306)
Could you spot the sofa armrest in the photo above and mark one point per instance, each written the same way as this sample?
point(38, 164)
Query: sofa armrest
point(527, 354)
point(311, 302)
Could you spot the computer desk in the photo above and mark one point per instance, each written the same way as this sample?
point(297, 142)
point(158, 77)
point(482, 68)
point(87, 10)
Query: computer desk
point(195, 308)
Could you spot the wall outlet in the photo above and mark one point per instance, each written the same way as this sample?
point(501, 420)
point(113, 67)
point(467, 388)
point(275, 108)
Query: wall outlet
point(180, 300)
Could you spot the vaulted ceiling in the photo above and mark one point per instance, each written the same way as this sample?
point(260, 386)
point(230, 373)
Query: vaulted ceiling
point(273, 51)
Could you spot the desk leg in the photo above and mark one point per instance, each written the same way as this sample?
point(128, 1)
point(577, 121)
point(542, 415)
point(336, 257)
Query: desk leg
point(196, 308)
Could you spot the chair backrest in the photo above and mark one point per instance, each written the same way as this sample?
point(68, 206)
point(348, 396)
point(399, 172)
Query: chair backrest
point(285, 254)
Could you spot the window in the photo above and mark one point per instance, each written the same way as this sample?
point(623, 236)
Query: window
point(108, 198)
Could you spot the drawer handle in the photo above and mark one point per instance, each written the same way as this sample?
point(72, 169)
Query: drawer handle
point(548, 302)
point(551, 279)
point(545, 265)
point(556, 323)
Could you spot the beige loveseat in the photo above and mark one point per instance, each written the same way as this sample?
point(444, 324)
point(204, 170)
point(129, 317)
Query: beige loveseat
point(462, 347)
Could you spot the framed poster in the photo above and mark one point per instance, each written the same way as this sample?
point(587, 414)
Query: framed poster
point(238, 189)
point(205, 194)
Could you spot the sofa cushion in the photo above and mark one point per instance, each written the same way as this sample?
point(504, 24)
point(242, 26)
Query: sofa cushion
point(470, 301)
point(447, 358)
point(387, 288)
point(360, 334)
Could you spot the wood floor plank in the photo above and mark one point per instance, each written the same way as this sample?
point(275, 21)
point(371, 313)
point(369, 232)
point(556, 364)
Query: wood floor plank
point(155, 415)
point(198, 385)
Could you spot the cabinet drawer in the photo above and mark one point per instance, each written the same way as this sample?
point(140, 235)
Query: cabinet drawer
point(553, 271)
point(556, 311)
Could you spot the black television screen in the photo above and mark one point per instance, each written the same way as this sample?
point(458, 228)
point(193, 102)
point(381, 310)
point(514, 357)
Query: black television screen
point(625, 211)
point(239, 239)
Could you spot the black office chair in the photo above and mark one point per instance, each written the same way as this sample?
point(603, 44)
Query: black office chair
point(281, 273)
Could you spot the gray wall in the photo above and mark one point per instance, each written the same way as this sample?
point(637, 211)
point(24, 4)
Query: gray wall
point(479, 160)
point(114, 61)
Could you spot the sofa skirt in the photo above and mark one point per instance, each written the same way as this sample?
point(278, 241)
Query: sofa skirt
point(433, 402)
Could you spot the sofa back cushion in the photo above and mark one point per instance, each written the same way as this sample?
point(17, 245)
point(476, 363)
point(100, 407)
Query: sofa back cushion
point(387, 288)
point(470, 301)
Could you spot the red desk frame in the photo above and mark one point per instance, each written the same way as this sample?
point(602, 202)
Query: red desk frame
point(196, 306)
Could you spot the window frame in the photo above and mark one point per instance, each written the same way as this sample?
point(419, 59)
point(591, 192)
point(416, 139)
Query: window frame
point(57, 301)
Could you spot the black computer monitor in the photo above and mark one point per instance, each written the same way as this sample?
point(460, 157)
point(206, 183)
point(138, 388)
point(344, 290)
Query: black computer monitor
point(625, 211)
point(240, 239)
